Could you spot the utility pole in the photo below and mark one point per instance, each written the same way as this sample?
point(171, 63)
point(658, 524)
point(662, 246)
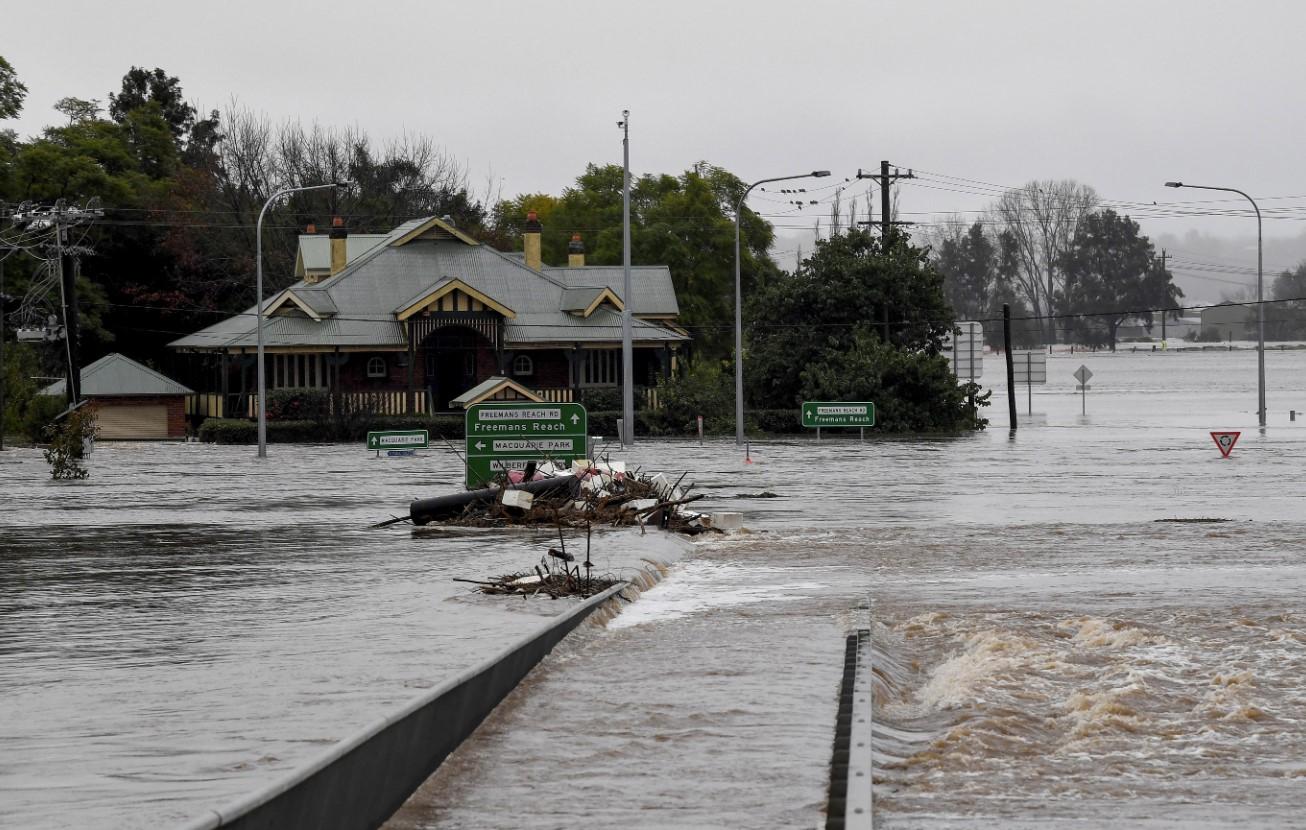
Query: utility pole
point(60, 218)
point(1164, 312)
point(71, 324)
point(886, 202)
point(627, 296)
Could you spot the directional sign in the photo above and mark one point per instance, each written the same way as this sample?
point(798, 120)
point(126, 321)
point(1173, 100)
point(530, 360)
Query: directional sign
point(964, 348)
point(1082, 374)
point(1225, 441)
point(1030, 366)
point(404, 439)
point(835, 414)
point(508, 436)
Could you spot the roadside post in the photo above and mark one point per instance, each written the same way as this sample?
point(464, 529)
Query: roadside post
point(1083, 374)
point(508, 436)
point(398, 442)
point(818, 414)
point(1031, 367)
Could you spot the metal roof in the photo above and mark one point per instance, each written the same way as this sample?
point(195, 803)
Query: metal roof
point(655, 294)
point(115, 375)
point(386, 277)
point(315, 250)
point(490, 386)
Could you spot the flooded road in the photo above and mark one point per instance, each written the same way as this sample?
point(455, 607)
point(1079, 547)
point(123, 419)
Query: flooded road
point(190, 621)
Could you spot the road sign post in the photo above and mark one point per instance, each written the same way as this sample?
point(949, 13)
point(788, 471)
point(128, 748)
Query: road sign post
point(397, 441)
point(1083, 374)
point(507, 436)
point(1225, 441)
point(818, 414)
point(1030, 366)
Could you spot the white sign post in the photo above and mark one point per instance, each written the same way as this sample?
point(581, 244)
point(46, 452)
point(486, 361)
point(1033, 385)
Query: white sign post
point(1083, 374)
point(1031, 367)
point(965, 350)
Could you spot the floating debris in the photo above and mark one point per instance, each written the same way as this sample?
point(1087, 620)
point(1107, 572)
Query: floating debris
point(1199, 521)
point(585, 494)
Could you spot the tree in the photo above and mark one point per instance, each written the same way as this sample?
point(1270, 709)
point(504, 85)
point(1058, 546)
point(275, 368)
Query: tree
point(78, 110)
point(1286, 318)
point(857, 317)
point(12, 91)
point(969, 263)
point(685, 222)
point(1110, 276)
point(1042, 218)
point(141, 87)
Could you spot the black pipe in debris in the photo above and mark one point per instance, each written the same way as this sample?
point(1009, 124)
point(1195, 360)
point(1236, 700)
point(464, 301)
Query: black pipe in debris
point(425, 511)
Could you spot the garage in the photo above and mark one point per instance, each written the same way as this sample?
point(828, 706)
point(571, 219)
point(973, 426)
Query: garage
point(130, 422)
point(132, 402)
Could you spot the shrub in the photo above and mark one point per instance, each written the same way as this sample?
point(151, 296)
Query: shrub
point(704, 389)
point(68, 443)
point(298, 405)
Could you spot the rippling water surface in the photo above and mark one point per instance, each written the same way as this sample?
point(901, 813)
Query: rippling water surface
point(190, 621)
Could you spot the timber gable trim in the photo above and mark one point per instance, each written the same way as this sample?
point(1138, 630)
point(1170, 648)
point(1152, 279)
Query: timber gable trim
point(452, 294)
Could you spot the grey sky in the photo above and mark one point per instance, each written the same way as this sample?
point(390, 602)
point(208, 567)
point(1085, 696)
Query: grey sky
point(1119, 95)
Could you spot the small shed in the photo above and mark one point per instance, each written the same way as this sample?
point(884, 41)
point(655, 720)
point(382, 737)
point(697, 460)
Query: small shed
point(495, 389)
point(132, 402)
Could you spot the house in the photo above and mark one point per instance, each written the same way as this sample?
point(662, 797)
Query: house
point(1231, 321)
point(405, 322)
point(132, 402)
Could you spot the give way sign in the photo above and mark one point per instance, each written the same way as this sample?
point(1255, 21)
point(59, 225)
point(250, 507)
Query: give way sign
point(1225, 441)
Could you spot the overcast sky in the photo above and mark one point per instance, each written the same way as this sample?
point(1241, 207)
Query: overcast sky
point(974, 96)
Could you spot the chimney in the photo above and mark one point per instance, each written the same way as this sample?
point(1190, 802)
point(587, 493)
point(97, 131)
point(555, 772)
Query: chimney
point(531, 240)
point(339, 235)
point(575, 252)
point(311, 229)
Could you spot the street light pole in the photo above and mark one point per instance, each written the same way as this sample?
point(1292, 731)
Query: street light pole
point(627, 295)
point(258, 290)
point(739, 305)
point(1260, 296)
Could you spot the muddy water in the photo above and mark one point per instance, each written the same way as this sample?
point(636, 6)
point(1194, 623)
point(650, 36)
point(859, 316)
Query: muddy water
point(190, 622)
point(1050, 654)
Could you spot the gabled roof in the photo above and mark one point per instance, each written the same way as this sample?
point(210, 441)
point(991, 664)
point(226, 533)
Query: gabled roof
point(495, 388)
point(584, 301)
point(115, 375)
point(655, 294)
point(365, 304)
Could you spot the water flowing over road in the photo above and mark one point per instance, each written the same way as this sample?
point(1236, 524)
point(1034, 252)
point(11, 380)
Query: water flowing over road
point(1051, 654)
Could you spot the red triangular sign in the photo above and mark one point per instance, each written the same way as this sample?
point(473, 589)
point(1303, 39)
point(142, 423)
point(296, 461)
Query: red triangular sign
point(1225, 441)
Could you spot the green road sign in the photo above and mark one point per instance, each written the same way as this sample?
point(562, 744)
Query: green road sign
point(838, 414)
point(506, 436)
point(399, 439)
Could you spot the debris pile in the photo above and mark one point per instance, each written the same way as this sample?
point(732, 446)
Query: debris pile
point(581, 495)
point(556, 575)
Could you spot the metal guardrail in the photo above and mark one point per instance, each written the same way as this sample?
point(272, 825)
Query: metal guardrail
point(362, 780)
point(850, 802)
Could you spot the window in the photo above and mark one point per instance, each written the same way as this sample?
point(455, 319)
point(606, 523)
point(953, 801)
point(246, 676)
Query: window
point(376, 367)
point(601, 367)
point(523, 365)
point(297, 371)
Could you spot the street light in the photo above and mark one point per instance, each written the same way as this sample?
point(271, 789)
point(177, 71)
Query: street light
point(739, 306)
point(1260, 297)
point(258, 290)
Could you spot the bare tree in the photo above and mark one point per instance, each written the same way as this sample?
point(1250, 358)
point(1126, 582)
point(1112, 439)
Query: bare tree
point(1042, 217)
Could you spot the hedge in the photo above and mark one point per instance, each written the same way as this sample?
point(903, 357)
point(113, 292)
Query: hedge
point(450, 427)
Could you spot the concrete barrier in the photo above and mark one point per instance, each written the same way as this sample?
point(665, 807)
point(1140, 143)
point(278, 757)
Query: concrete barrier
point(361, 781)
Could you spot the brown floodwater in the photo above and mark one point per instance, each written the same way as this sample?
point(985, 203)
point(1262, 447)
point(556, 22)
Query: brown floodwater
point(188, 624)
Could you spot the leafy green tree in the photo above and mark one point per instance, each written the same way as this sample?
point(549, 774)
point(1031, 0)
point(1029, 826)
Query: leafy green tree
point(1286, 319)
point(913, 391)
point(141, 87)
point(857, 307)
point(12, 91)
point(685, 222)
point(1111, 277)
